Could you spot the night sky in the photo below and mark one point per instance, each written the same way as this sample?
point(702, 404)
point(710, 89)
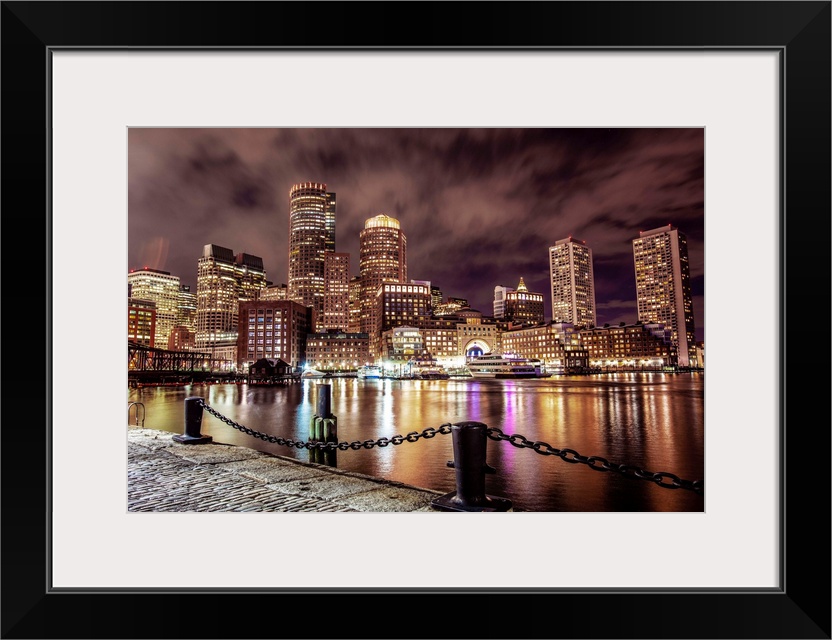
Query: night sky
point(479, 207)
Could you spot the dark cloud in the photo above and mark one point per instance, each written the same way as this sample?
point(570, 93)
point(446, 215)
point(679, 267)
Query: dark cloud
point(479, 207)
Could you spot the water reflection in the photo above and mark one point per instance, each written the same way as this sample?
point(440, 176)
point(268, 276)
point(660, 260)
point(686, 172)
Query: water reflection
point(651, 420)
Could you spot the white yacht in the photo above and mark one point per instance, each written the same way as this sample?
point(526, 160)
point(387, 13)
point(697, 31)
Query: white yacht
point(369, 371)
point(494, 365)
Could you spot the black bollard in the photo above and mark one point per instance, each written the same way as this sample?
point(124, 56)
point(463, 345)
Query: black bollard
point(324, 400)
point(323, 427)
point(193, 422)
point(470, 444)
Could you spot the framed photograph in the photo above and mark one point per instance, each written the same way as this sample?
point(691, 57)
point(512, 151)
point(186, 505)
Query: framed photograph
point(88, 85)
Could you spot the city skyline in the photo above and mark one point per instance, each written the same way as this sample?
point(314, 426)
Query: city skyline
point(479, 207)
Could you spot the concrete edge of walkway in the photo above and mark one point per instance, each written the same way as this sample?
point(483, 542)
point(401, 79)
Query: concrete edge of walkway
point(165, 475)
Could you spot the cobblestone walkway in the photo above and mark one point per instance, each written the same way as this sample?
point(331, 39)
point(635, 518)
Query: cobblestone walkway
point(163, 475)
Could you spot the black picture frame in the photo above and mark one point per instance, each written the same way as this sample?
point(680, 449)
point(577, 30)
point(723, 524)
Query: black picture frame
point(800, 608)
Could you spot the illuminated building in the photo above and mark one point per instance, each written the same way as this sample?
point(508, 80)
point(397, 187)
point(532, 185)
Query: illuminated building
point(435, 296)
point(500, 293)
point(141, 321)
point(336, 300)
point(273, 329)
point(163, 289)
point(181, 339)
point(309, 204)
point(223, 281)
point(398, 304)
point(401, 344)
point(572, 282)
point(329, 222)
point(382, 258)
point(354, 324)
point(523, 306)
point(337, 351)
point(663, 289)
point(186, 311)
point(557, 344)
point(275, 292)
point(634, 346)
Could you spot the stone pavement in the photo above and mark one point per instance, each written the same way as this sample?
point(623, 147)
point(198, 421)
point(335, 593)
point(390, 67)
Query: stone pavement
point(163, 475)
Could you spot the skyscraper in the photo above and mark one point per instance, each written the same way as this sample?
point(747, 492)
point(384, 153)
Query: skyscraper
point(163, 289)
point(572, 282)
point(336, 305)
point(663, 291)
point(330, 221)
point(382, 258)
point(223, 281)
point(523, 306)
point(309, 204)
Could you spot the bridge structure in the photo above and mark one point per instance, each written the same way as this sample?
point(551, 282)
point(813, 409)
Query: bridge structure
point(150, 364)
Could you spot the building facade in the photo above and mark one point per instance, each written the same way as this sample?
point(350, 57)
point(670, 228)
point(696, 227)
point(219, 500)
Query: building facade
point(523, 306)
point(663, 290)
point(308, 207)
point(273, 329)
point(572, 281)
point(557, 344)
point(336, 300)
point(398, 304)
point(646, 346)
point(162, 288)
point(275, 292)
point(354, 325)
point(336, 351)
point(382, 258)
point(141, 321)
point(329, 221)
point(223, 280)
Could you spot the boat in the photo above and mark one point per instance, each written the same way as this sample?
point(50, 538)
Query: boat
point(369, 371)
point(313, 373)
point(495, 365)
point(428, 369)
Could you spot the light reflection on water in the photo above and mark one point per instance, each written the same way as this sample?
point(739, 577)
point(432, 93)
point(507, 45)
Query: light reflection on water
point(654, 421)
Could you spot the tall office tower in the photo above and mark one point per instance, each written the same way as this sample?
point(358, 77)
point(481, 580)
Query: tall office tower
point(663, 286)
point(223, 280)
point(336, 291)
point(186, 316)
point(572, 282)
point(330, 221)
point(382, 258)
point(163, 289)
point(500, 293)
point(355, 305)
point(521, 305)
point(308, 204)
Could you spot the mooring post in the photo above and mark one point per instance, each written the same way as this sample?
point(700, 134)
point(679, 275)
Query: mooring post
point(193, 423)
point(470, 442)
point(323, 427)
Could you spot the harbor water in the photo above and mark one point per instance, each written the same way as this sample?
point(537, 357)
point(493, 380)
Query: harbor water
point(650, 420)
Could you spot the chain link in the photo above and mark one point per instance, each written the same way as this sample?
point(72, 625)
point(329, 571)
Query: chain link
point(663, 479)
point(597, 463)
point(413, 436)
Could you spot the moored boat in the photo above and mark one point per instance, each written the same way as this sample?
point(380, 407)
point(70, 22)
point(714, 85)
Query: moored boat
point(495, 365)
point(369, 371)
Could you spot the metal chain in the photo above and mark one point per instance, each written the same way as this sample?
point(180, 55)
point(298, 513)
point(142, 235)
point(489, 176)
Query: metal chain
point(413, 436)
point(661, 478)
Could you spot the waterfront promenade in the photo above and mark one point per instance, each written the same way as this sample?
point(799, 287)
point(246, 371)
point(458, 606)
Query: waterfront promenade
point(164, 475)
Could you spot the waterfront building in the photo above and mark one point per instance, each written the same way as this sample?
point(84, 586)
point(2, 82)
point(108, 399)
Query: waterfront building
point(442, 342)
point(633, 346)
point(663, 291)
point(162, 288)
point(309, 204)
point(572, 281)
point(223, 280)
point(382, 258)
point(336, 351)
point(523, 306)
point(141, 321)
point(477, 335)
point(557, 344)
point(329, 221)
point(273, 329)
point(354, 325)
point(186, 310)
point(398, 304)
point(275, 292)
point(400, 344)
point(336, 299)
